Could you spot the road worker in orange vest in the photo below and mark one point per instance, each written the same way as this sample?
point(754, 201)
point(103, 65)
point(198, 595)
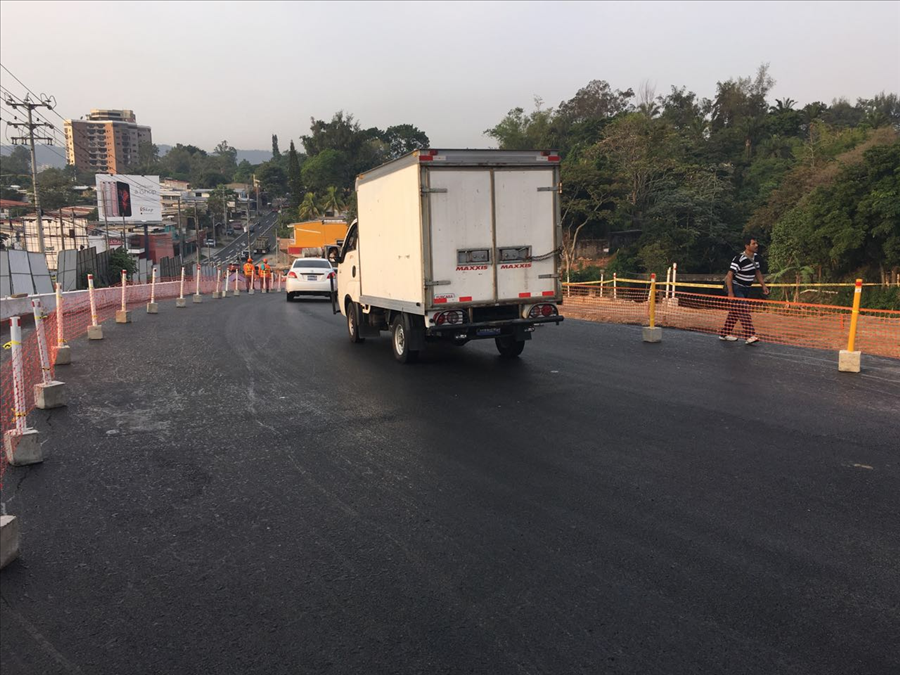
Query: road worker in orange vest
point(265, 275)
point(248, 272)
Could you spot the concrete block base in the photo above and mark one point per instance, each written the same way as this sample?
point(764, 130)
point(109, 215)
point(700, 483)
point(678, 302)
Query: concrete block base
point(848, 362)
point(180, 303)
point(198, 299)
point(51, 395)
point(24, 449)
point(123, 316)
point(9, 540)
point(152, 308)
point(652, 334)
point(216, 295)
point(237, 291)
point(63, 355)
point(251, 292)
point(95, 332)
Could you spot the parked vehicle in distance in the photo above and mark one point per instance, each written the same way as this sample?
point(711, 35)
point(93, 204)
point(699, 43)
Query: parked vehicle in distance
point(454, 245)
point(230, 231)
point(309, 276)
point(261, 245)
point(210, 242)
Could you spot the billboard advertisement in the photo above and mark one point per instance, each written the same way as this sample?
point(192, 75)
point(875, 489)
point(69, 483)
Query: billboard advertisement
point(132, 199)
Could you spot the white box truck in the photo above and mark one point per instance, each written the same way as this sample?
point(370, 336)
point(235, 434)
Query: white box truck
point(453, 245)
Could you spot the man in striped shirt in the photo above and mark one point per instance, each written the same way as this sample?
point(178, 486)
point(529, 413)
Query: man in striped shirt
point(744, 269)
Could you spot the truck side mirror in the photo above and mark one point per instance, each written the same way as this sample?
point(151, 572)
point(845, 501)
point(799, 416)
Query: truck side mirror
point(334, 256)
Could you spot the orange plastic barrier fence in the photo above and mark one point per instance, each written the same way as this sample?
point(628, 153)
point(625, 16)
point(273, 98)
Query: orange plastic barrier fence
point(789, 323)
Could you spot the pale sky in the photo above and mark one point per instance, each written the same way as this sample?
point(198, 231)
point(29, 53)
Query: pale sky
point(202, 72)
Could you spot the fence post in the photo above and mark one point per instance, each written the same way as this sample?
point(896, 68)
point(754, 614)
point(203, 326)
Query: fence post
point(601, 283)
point(48, 393)
point(848, 359)
point(651, 333)
point(95, 330)
point(123, 315)
point(252, 281)
point(179, 303)
point(668, 281)
point(21, 444)
point(63, 351)
point(227, 278)
point(152, 306)
point(615, 285)
point(197, 296)
point(216, 293)
point(237, 281)
point(674, 279)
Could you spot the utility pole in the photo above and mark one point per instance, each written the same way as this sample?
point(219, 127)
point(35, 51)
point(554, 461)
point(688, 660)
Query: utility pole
point(30, 105)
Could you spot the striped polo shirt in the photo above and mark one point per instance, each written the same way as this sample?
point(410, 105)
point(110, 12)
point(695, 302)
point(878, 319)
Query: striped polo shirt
point(745, 269)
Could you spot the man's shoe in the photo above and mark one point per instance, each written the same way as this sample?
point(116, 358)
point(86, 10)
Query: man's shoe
point(750, 340)
point(728, 338)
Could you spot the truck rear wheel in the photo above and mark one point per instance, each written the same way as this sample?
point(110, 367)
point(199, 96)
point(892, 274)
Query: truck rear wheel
point(353, 317)
point(509, 347)
point(400, 341)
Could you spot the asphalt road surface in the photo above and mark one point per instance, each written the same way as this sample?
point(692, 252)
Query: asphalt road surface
point(238, 247)
point(235, 488)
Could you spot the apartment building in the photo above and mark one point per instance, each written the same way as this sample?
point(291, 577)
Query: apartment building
point(106, 141)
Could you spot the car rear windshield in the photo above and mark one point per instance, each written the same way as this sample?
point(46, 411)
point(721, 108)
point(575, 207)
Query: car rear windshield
point(324, 264)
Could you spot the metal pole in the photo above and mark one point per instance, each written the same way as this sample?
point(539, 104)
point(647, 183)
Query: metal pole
point(124, 282)
point(93, 301)
point(180, 233)
point(854, 316)
point(34, 184)
point(43, 353)
point(652, 300)
point(15, 343)
point(60, 327)
point(181, 290)
point(153, 284)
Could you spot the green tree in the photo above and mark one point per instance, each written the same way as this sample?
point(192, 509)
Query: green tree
point(276, 153)
point(309, 208)
point(218, 202)
point(404, 138)
point(273, 179)
point(294, 177)
point(332, 201)
point(55, 187)
point(119, 260)
point(329, 167)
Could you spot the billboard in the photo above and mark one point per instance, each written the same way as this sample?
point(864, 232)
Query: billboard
point(132, 199)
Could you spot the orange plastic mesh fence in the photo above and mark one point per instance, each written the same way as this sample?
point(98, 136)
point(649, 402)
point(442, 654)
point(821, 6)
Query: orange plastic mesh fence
point(76, 318)
point(789, 323)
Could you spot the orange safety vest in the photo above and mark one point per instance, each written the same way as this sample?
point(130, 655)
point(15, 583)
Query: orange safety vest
point(264, 270)
point(248, 269)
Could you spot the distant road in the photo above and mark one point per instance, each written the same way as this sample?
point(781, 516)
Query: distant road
point(265, 226)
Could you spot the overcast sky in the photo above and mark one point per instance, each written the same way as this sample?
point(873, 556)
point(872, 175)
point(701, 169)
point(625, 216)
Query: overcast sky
point(202, 72)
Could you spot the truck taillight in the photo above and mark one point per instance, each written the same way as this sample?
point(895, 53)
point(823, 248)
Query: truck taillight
point(451, 318)
point(291, 275)
point(542, 310)
point(427, 155)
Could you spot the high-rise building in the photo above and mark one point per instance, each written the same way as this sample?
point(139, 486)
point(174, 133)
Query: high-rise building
point(106, 142)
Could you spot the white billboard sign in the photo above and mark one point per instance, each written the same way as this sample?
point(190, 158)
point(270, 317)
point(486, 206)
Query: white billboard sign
point(136, 199)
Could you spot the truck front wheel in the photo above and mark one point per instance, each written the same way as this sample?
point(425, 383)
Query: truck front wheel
point(353, 315)
point(509, 347)
point(400, 340)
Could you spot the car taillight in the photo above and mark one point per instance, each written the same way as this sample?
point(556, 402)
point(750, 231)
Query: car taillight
point(542, 310)
point(291, 275)
point(331, 275)
point(451, 318)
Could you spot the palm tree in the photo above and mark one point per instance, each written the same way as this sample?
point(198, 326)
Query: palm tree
point(782, 105)
point(309, 209)
point(333, 201)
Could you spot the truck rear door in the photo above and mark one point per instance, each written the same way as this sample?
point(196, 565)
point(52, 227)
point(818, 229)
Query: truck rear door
point(460, 214)
point(525, 234)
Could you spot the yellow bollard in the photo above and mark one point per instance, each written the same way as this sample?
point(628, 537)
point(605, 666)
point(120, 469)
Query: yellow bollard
point(651, 333)
point(849, 360)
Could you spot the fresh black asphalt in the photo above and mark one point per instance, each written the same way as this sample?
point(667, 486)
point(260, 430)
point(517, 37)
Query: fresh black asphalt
point(235, 488)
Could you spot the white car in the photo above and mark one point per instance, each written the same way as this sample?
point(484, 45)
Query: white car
point(310, 276)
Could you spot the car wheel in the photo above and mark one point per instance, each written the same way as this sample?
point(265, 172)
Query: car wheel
point(508, 347)
point(400, 342)
point(353, 322)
